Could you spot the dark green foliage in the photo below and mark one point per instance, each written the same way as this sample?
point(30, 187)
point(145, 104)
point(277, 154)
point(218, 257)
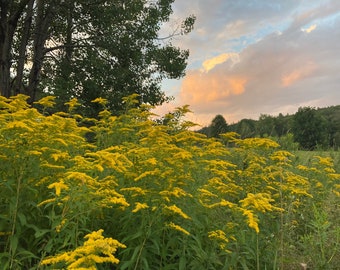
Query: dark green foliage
point(246, 128)
point(218, 126)
point(309, 128)
point(88, 49)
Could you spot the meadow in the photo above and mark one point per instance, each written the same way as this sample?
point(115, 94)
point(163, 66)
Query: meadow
point(126, 192)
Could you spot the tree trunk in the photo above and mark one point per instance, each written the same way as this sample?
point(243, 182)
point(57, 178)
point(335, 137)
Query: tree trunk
point(5, 41)
point(18, 86)
point(8, 24)
point(43, 21)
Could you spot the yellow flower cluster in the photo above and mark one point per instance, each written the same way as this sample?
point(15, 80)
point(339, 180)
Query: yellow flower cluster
point(58, 187)
point(221, 237)
point(253, 221)
point(95, 250)
point(261, 202)
point(176, 210)
point(47, 102)
point(139, 206)
point(177, 228)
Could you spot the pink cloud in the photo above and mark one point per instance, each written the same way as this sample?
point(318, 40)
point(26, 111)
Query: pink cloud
point(199, 88)
point(298, 74)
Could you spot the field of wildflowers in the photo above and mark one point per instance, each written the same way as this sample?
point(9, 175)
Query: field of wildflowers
point(125, 192)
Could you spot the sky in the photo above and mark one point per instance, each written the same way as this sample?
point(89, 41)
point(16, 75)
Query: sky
point(253, 57)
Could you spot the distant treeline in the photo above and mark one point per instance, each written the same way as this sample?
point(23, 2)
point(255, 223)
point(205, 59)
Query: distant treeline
point(309, 128)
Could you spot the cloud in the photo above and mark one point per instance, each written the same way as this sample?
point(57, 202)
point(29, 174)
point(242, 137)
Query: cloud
point(276, 74)
point(200, 88)
point(212, 62)
point(309, 29)
point(298, 74)
point(254, 57)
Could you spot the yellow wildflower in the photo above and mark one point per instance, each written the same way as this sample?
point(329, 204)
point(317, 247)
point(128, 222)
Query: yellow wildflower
point(58, 187)
point(252, 220)
point(46, 202)
point(260, 202)
point(218, 234)
point(135, 190)
point(83, 177)
point(61, 225)
point(96, 249)
point(205, 192)
point(177, 228)
point(60, 140)
point(282, 157)
point(104, 114)
point(325, 161)
point(72, 104)
point(151, 161)
point(139, 206)
point(101, 101)
point(175, 192)
point(61, 155)
point(329, 170)
point(35, 153)
point(47, 102)
point(334, 176)
point(221, 237)
point(145, 174)
point(176, 210)
point(19, 125)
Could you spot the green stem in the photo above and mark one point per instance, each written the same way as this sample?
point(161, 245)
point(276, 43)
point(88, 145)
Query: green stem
point(257, 253)
point(11, 251)
point(140, 253)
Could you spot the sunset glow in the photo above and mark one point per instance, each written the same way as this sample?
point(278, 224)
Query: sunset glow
point(258, 57)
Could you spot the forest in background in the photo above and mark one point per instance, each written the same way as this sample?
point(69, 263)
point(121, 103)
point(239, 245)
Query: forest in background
point(308, 129)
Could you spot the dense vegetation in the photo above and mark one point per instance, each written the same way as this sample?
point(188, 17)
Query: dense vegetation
point(88, 49)
point(90, 180)
point(130, 192)
point(309, 128)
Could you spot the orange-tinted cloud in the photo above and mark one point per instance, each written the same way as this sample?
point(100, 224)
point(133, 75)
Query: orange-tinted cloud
point(309, 29)
point(211, 63)
point(200, 88)
point(298, 74)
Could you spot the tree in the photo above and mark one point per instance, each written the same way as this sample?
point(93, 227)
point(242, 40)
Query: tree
point(88, 48)
point(266, 125)
point(309, 128)
point(218, 126)
point(246, 128)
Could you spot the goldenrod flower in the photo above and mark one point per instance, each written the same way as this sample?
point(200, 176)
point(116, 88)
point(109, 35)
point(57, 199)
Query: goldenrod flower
point(260, 202)
point(58, 187)
point(252, 220)
point(218, 234)
point(72, 104)
point(177, 228)
point(96, 249)
point(19, 125)
point(47, 102)
point(139, 206)
point(101, 101)
point(176, 210)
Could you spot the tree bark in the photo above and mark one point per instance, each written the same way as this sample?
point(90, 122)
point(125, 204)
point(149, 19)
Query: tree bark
point(9, 17)
point(18, 85)
point(5, 41)
point(43, 20)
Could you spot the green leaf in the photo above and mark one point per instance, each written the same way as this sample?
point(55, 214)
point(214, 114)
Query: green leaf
point(40, 232)
point(14, 243)
point(182, 263)
point(22, 219)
